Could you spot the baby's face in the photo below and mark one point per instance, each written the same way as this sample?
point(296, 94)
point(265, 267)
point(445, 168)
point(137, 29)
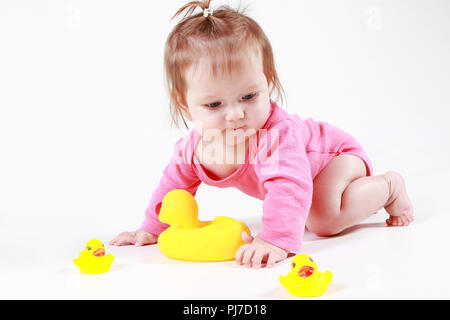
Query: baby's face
point(219, 105)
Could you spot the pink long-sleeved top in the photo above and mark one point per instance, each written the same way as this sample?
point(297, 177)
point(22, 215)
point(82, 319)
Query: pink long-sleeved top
point(282, 160)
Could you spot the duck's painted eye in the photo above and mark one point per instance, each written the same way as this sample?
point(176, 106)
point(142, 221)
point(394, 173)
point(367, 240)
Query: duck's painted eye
point(89, 248)
point(310, 259)
point(293, 265)
point(103, 245)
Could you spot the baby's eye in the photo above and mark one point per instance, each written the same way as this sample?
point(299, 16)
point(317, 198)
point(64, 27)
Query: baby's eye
point(213, 105)
point(249, 96)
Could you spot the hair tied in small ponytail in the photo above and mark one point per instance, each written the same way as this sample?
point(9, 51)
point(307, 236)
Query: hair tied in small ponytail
point(207, 12)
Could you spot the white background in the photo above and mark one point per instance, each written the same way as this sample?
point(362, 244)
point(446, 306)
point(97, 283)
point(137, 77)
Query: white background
point(85, 134)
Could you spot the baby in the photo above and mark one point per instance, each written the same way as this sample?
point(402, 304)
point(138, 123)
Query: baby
point(221, 76)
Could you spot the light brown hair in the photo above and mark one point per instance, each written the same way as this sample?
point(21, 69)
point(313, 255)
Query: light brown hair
point(224, 37)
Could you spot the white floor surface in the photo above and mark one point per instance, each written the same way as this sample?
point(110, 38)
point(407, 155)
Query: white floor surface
point(369, 261)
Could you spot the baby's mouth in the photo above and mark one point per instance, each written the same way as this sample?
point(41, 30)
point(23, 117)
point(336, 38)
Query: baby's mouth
point(235, 129)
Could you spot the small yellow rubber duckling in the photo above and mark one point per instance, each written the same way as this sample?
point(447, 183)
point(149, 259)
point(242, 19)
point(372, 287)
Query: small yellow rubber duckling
point(304, 279)
point(93, 259)
point(190, 239)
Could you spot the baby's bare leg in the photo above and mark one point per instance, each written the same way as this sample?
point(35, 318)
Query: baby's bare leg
point(343, 196)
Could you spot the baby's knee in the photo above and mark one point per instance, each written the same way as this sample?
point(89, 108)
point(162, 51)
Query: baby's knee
point(325, 231)
point(325, 227)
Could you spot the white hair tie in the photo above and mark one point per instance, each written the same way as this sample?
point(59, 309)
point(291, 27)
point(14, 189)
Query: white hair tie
point(207, 12)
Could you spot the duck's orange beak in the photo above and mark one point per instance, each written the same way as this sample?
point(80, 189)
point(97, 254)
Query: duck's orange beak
point(305, 271)
point(99, 252)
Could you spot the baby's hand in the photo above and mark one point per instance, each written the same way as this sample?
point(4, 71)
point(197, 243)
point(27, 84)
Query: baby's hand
point(256, 251)
point(139, 238)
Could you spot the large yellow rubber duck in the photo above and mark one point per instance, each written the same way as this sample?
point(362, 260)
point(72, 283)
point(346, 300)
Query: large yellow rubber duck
point(189, 239)
point(304, 279)
point(93, 259)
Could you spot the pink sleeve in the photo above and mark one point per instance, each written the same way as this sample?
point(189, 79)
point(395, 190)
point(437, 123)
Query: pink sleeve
point(178, 174)
point(285, 174)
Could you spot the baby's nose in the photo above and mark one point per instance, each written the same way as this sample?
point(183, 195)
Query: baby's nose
point(234, 113)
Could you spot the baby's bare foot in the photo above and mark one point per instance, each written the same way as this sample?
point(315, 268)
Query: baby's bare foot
point(399, 205)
